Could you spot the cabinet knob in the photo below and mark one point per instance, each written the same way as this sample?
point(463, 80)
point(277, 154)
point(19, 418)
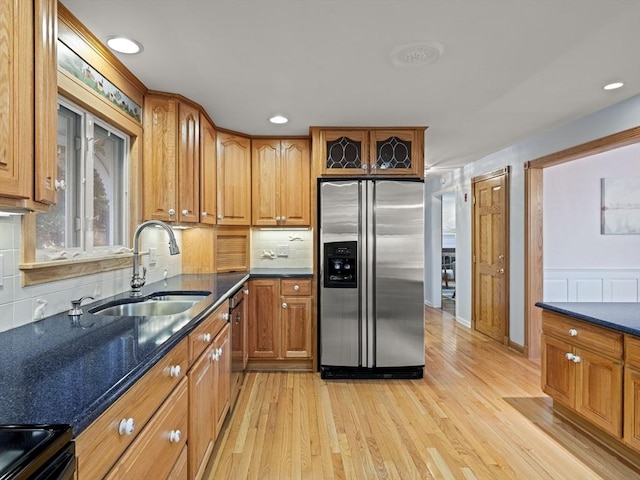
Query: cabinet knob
point(215, 356)
point(219, 352)
point(185, 212)
point(175, 371)
point(126, 426)
point(220, 217)
point(225, 316)
point(246, 292)
point(284, 305)
point(374, 167)
point(283, 218)
point(296, 287)
point(365, 167)
point(60, 185)
point(175, 436)
point(204, 214)
point(206, 337)
point(573, 358)
point(277, 219)
point(171, 212)
point(573, 332)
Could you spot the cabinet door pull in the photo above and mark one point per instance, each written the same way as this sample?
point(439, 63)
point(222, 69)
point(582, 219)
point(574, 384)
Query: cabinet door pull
point(284, 305)
point(175, 436)
point(573, 332)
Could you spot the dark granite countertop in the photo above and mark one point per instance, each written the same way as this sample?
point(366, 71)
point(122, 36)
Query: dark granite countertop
point(623, 317)
point(281, 272)
point(54, 371)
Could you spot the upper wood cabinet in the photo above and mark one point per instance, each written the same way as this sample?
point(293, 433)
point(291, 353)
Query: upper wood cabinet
point(28, 101)
point(171, 159)
point(369, 151)
point(280, 182)
point(234, 179)
point(208, 173)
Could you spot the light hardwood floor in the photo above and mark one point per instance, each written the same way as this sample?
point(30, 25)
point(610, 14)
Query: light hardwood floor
point(477, 413)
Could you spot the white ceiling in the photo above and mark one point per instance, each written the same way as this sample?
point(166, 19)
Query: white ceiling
point(509, 68)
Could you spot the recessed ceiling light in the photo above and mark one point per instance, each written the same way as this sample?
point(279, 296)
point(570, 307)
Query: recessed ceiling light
point(124, 45)
point(278, 119)
point(613, 86)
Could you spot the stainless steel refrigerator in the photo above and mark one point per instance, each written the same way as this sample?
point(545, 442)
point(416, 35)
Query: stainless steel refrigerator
point(371, 296)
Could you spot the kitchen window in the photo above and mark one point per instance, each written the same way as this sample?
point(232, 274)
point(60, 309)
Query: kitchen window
point(90, 217)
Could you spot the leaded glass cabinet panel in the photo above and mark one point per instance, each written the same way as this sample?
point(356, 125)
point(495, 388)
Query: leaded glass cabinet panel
point(346, 152)
point(397, 152)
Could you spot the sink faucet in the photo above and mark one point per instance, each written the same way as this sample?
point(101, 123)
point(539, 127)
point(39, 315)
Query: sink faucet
point(137, 280)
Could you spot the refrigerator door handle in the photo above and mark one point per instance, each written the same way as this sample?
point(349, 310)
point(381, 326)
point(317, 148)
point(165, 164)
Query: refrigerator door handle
point(371, 274)
point(362, 265)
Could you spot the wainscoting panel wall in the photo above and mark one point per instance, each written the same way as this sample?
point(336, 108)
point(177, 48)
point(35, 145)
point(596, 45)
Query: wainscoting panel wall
point(591, 285)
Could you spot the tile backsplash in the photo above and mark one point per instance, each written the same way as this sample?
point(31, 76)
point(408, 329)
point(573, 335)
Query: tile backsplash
point(18, 304)
point(268, 248)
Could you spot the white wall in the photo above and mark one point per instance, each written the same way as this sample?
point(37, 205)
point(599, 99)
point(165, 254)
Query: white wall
point(18, 304)
point(605, 267)
point(572, 213)
point(622, 116)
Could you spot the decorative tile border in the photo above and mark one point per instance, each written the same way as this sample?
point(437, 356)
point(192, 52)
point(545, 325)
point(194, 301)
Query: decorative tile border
point(70, 62)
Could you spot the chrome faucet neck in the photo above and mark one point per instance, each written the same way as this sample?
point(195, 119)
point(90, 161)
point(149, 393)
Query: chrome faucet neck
point(137, 280)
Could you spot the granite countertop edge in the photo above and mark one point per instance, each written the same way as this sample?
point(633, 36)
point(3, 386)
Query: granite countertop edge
point(619, 316)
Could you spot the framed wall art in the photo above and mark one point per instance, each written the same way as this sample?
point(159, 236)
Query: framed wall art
point(620, 206)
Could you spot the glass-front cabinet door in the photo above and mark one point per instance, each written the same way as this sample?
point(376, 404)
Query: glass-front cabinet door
point(366, 151)
point(346, 152)
point(395, 152)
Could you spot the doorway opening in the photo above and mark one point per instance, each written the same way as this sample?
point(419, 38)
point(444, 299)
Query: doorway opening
point(448, 253)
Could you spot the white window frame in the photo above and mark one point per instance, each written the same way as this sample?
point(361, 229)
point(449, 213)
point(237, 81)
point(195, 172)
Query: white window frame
point(87, 160)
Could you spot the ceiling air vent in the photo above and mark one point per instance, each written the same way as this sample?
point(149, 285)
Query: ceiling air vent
point(416, 54)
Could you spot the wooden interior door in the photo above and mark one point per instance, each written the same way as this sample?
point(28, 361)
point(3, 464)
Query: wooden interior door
point(490, 255)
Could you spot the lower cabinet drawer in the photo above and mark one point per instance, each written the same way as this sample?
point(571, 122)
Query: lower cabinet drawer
point(600, 340)
point(295, 286)
point(159, 446)
point(102, 443)
point(632, 351)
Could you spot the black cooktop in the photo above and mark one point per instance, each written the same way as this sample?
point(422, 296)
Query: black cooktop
point(24, 449)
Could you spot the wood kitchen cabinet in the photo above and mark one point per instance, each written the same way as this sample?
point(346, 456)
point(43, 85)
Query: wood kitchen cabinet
point(28, 100)
point(369, 151)
point(157, 449)
point(171, 169)
point(138, 426)
point(233, 179)
point(582, 369)
point(280, 320)
point(632, 392)
point(208, 171)
point(280, 182)
point(208, 378)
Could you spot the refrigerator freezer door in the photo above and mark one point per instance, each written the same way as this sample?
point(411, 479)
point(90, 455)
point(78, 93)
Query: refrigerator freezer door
point(398, 273)
point(340, 328)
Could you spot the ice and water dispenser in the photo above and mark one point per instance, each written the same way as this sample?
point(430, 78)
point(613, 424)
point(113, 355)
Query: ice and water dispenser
point(340, 264)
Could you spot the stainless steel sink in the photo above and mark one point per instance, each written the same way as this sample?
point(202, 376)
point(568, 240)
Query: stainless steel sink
point(159, 304)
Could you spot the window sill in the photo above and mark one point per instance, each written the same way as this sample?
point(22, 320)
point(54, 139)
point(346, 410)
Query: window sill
point(43, 272)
